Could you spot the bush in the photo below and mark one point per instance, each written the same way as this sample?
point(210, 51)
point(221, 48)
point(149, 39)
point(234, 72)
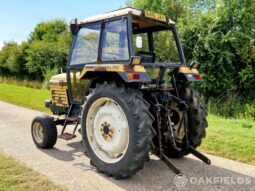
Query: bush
point(47, 74)
point(231, 105)
point(24, 82)
point(44, 55)
point(220, 35)
point(47, 47)
point(48, 31)
point(226, 105)
point(249, 111)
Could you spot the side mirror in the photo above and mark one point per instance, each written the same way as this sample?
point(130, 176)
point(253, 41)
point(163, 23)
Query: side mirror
point(194, 64)
point(74, 26)
point(139, 42)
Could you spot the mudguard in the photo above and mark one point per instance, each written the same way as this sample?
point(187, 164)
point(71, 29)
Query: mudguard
point(127, 72)
point(190, 74)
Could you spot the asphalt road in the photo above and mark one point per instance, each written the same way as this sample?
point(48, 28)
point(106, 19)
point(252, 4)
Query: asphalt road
point(67, 165)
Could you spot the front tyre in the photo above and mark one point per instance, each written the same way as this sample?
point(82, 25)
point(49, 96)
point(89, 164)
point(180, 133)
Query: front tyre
point(116, 129)
point(44, 132)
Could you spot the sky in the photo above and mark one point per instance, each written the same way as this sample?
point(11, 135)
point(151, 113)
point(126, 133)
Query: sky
point(19, 17)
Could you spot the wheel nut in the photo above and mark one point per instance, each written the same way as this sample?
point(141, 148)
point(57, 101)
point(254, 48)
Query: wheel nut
point(111, 130)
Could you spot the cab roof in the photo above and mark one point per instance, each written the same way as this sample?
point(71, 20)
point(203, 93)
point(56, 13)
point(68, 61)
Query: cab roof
point(122, 12)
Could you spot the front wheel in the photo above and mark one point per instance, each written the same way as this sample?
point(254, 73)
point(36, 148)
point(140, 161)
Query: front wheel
point(44, 132)
point(116, 129)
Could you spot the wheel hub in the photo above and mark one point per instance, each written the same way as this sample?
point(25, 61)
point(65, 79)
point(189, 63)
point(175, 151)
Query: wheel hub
point(107, 131)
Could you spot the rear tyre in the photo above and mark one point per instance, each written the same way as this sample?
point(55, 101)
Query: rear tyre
point(197, 122)
point(116, 129)
point(44, 132)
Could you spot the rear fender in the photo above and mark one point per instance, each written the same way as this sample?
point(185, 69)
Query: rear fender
point(188, 74)
point(127, 73)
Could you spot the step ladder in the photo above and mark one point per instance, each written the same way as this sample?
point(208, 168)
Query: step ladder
point(70, 119)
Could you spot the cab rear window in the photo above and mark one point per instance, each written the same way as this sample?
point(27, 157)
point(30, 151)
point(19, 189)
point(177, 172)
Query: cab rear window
point(115, 41)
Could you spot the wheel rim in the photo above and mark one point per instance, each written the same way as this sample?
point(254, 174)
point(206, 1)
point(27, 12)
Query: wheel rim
point(107, 130)
point(38, 132)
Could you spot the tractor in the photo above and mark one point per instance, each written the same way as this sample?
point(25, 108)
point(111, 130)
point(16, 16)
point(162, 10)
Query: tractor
point(126, 96)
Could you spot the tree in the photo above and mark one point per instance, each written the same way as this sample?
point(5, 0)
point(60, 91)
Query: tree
point(48, 31)
point(220, 34)
point(173, 8)
point(4, 54)
point(43, 55)
point(222, 39)
point(48, 48)
point(12, 59)
point(16, 60)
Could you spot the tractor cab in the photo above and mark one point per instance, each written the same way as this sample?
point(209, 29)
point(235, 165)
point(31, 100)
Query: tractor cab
point(124, 44)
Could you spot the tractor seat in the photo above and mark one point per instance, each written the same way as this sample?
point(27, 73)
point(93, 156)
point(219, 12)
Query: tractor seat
point(148, 57)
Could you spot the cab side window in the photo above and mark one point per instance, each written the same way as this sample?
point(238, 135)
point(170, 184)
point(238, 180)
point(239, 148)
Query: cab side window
point(115, 41)
point(86, 45)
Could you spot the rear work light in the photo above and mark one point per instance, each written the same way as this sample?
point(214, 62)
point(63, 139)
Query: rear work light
point(198, 76)
point(133, 76)
point(135, 60)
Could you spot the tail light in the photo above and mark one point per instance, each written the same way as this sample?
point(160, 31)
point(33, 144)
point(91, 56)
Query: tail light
point(198, 76)
point(133, 76)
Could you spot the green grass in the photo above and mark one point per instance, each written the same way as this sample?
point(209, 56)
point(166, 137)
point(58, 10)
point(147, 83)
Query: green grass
point(19, 82)
point(15, 176)
point(230, 138)
point(23, 96)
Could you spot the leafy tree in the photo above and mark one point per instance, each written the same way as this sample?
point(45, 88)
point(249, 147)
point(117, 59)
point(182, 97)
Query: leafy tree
point(168, 7)
point(4, 54)
point(48, 31)
point(43, 55)
point(16, 60)
point(12, 59)
point(222, 41)
point(218, 33)
point(48, 48)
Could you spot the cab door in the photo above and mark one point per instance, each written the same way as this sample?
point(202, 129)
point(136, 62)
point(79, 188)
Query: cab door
point(84, 51)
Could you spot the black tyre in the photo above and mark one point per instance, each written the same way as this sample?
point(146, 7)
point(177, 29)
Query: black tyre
point(44, 132)
point(116, 129)
point(197, 122)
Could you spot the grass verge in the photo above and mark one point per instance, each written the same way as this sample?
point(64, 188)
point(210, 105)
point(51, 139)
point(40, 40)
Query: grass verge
point(18, 82)
point(230, 138)
point(15, 176)
point(23, 96)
